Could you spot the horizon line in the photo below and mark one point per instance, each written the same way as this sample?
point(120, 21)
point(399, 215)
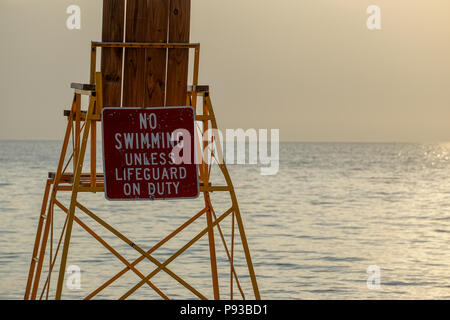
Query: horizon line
point(281, 141)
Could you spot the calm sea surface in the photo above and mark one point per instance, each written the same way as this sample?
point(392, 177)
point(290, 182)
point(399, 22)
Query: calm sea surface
point(332, 211)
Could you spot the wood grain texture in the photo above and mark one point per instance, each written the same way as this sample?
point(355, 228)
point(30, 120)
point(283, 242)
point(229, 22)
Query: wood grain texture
point(111, 60)
point(145, 69)
point(155, 68)
point(179, 21)
point(147, 80)
point(178, 59)
point(133, 83)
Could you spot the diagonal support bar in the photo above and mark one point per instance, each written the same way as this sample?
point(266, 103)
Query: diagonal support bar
point(111, 249)
point(142, 257)
point(139, 249)
point(178, 253)
point(226, 174)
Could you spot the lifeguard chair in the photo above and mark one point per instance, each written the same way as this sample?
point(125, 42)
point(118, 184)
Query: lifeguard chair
point(144, 63)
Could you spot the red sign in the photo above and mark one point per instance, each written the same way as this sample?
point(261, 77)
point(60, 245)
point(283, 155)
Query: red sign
point(149, 154)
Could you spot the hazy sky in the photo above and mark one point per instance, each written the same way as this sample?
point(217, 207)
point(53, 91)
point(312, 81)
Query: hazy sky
point(308, 67)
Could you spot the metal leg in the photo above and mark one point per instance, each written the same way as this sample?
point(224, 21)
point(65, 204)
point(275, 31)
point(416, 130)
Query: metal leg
point(34, 258)
point(76, 185)
point(236, 209)
point(212, 248)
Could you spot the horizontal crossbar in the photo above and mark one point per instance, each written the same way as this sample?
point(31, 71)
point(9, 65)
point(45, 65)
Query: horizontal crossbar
point(82, 86)
point(153, 45)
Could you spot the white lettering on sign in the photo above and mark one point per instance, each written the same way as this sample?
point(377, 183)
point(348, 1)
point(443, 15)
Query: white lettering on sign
point(147, 140)
point(148, 119)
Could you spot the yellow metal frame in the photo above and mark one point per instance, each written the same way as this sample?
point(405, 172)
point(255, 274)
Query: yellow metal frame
point(81, 129)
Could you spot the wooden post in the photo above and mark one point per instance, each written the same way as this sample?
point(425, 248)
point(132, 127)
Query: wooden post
point(145, 69)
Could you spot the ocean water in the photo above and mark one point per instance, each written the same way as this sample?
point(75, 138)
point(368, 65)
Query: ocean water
point(332, 211)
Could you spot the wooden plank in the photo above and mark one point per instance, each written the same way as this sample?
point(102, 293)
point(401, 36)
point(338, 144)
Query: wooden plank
point(178, 59)
point(155, 69)
point(144, 78)
point(179, 21)
point(133, 83)
point(158, 20)
point(111, 65)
